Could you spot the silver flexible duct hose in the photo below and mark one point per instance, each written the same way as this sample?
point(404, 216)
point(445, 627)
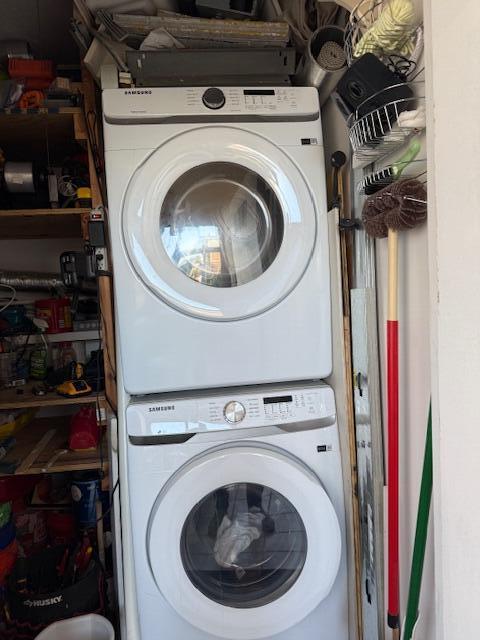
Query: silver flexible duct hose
point(36, 281)
point(25, 280)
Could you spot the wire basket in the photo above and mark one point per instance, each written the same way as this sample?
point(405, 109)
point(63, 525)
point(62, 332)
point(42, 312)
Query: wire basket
point(376, 180)
point(376, 131)
point(398, 47)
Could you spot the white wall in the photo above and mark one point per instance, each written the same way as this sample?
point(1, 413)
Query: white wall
point(454, 237)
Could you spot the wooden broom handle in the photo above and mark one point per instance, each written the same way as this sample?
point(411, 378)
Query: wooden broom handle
point(392, 274)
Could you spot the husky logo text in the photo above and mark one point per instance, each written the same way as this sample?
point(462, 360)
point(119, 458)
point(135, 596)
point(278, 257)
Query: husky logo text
point(43, 603)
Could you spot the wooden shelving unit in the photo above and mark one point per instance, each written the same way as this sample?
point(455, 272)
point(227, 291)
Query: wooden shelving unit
point(42, 447)
point(33, 131)
point(47, 136)
point(42, 223)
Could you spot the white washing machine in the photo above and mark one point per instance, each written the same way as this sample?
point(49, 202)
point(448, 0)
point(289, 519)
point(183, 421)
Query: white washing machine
point(237, 526)
point(218, 225)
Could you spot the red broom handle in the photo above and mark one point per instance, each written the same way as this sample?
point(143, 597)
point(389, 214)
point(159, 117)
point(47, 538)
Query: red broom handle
point(393, 438)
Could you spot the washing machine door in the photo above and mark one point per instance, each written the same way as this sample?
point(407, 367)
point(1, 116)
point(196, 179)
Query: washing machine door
point(244, 542)
point(219, 223)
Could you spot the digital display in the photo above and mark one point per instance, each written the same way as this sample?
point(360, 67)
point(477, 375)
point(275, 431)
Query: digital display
point(258, 92)
point(277, 399)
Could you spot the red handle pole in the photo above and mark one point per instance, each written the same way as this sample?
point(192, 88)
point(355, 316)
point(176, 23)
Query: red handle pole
point(392, 477)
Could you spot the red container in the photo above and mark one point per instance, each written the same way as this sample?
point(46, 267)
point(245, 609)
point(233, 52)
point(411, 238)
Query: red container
point(56, 311)
point(84, 430)
point(38, 74)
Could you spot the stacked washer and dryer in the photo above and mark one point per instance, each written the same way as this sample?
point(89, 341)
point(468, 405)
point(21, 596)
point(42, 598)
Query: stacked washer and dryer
point(232, 503)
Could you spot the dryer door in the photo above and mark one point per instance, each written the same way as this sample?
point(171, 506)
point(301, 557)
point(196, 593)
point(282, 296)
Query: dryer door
point(219, 223)
point(244, 542)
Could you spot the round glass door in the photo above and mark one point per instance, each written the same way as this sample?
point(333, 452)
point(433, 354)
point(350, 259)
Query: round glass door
point(221, 224)
point(243, 545)
point(243, 541)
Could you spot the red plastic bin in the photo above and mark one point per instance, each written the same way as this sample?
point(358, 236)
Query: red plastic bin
point(38, 74)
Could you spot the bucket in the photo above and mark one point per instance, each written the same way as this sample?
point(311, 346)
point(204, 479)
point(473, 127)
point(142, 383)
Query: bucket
point(85, 493)
point(319, 67)
point(90, 627)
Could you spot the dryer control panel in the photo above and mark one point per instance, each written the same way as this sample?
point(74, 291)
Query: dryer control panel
point(197, 104)
point(163, 416)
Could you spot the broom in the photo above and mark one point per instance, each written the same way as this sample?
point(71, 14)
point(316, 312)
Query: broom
point(402, 205)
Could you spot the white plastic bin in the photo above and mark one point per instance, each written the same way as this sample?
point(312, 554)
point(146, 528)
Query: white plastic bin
point(90, 627)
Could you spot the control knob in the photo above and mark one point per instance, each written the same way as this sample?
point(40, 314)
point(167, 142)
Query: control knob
point(234, 412)
point(213, 98)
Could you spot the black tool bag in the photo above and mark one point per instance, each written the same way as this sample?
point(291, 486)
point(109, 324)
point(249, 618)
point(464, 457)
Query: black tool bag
point(36, 597)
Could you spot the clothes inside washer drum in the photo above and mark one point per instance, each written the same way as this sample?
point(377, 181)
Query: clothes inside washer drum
point(256, 562)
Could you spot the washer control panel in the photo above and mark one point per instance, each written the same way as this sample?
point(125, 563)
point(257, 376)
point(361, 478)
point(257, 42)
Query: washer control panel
point(183, 415)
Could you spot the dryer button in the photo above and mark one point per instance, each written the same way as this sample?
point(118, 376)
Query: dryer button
point(234, 412)
point(213, 98)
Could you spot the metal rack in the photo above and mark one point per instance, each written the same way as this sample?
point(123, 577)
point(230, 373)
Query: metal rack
point(381, 178)
point(382, 131)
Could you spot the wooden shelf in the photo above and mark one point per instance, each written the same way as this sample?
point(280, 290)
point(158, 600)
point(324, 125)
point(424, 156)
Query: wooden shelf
point(39, 133)
point(22, 397)
point(41, 446)
point(41, 223)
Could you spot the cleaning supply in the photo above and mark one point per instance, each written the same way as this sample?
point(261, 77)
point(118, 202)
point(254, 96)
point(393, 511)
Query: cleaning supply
point(392, 33)
point(415, 119)
point(401, 205)
point(420, 535)
point(380, 179)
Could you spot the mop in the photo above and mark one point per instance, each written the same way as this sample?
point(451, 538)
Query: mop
point(401, 205)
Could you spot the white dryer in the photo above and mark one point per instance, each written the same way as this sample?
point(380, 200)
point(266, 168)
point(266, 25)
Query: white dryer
point(218, 226)
point(237, 516)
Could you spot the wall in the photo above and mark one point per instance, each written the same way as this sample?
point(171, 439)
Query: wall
point(454, 237)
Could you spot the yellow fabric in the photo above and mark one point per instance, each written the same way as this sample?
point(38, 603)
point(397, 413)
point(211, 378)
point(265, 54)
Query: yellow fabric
point(392, 32)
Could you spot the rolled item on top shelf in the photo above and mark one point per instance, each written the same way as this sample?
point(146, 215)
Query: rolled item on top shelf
point(324, 61)
point(207, 31)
